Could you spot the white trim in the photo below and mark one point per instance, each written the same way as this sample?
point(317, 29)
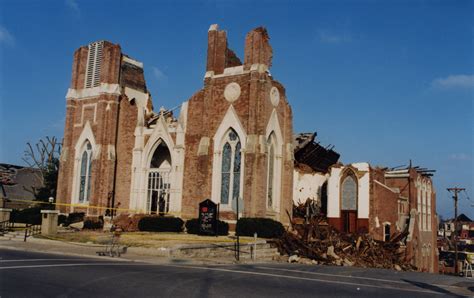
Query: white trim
point(104, 88)
point(386, 187)
point(273, 126)
point(83, 107)
point(141, 98)
point(132, 61)
point(230, 120)
point(363, 192)
point(86, 135)
point(141, 162)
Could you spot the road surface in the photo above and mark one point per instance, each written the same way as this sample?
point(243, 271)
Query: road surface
point(33, 274)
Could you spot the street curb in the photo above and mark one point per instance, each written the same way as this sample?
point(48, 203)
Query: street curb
point(63, 253)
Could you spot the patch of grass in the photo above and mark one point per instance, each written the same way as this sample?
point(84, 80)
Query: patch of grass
point(145, 239)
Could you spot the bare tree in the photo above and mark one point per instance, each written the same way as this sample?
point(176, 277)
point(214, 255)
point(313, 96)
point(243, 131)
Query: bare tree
point(42, 155)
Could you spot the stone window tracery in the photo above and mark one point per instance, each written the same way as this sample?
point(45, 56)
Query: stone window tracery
point(85, 174)
point(159, 184)
point(230, 168)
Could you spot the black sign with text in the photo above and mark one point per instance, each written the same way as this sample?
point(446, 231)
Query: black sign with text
point(208, 217)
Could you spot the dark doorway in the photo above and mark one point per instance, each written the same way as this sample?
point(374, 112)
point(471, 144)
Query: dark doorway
point(349, 203)
point(349, 221)
point(324, 199)
point(387, 233)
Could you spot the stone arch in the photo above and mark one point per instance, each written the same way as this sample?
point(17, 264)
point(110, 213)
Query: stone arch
point(159, 170)
point(85, 138)
point(140, 176)
point(349, 199)
point(274, 137)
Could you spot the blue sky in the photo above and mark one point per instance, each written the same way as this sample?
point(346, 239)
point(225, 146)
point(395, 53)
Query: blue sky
point(384, 82)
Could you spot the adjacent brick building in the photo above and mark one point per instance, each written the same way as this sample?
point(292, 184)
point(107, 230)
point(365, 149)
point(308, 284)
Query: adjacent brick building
point(384, 203)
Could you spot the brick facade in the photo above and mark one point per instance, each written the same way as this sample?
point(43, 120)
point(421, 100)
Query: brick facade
point(388, 203)
point(115, 116)
point(111, 117)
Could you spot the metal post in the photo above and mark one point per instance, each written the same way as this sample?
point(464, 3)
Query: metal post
point(455, 190)
point(255, 246)
point(217, 221)
point(238, 238)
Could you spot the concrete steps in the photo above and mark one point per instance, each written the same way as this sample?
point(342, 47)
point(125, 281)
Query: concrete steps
point(264, 251)
point(13, 235)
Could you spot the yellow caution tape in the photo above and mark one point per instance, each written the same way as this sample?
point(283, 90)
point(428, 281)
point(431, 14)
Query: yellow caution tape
point(89, 206)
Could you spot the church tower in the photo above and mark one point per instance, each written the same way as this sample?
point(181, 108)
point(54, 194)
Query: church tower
point(106, 96)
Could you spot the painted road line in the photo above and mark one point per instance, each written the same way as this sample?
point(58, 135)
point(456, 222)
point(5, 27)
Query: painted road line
point(39, 260)
point(303, 278)
point(347, 276)
point(333, 275)
point(63, 265)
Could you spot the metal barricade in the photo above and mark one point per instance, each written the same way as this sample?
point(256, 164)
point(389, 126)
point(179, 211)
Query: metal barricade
point(112, 248)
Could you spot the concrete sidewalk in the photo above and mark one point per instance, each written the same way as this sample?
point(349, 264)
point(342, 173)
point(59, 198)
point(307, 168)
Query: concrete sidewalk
point(133, 254)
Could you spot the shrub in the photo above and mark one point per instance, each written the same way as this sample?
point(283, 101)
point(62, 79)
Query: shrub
point(93, 224)
point(29, 215)
point(62, 219)
point(75, 217)
point(192, 227)
point(264, 227)
point(160, 224)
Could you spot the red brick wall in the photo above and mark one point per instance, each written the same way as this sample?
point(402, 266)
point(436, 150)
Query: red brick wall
point(414, 247)
point(206, 111)
point(125, 144)
point(384, 206)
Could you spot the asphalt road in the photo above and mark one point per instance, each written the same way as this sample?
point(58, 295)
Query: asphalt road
point(29, 274)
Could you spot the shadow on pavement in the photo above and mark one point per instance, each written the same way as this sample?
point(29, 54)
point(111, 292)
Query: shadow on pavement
point(431, 287)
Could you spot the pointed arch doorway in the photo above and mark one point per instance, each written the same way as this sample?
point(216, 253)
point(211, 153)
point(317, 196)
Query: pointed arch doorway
point(159, 173)
point(349, 203)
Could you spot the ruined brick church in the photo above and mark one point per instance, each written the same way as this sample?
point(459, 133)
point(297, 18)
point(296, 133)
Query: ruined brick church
point(232, 143)
point(232, 140)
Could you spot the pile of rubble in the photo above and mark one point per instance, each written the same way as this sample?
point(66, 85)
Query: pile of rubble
point(314, 241)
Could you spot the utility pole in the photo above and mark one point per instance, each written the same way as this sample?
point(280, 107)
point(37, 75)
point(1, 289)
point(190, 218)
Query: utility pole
point(455, 190)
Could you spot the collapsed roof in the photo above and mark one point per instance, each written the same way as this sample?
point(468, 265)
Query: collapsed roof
point(403, 171)
point(311, 153)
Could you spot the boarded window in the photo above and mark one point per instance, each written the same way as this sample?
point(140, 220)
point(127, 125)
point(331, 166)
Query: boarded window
point(349, 193)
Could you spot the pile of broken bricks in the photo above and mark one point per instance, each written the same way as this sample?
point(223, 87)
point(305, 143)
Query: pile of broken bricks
point(313, 241)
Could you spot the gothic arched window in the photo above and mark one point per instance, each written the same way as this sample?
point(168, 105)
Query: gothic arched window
point(85, 174)
point(349, 193)
point(159, 182)
point(230, 168)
